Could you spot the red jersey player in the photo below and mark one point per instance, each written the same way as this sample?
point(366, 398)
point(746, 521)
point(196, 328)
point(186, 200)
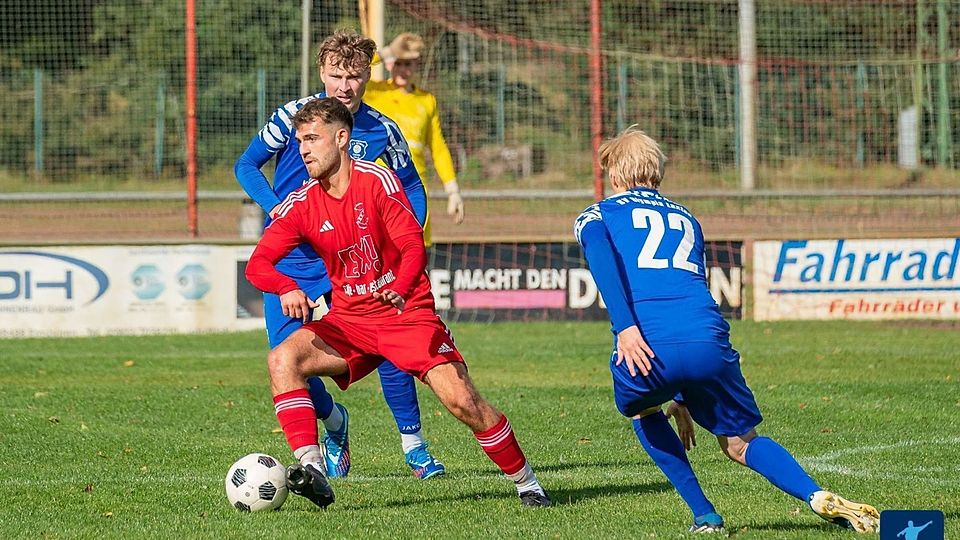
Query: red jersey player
point(357, 218)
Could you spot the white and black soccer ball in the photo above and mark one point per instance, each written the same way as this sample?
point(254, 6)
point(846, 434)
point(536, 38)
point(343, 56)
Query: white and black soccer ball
point(256, 482)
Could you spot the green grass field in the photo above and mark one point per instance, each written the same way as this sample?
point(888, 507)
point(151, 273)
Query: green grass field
point(131, 437)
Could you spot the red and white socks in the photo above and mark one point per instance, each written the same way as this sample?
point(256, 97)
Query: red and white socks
point(501, 446)
point(298, 419)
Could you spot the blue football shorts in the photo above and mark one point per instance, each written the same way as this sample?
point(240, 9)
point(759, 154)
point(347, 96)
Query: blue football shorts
point(706, 374)
point(312, 278)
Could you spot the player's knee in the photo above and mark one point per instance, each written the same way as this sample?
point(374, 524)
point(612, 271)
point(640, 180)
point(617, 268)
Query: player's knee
point(735, 449)
point(281, 361)
point(463, 405)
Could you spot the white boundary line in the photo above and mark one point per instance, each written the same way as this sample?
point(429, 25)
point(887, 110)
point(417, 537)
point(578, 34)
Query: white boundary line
point(940, 476)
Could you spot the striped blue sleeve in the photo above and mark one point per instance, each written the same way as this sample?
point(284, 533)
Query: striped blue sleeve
point(598, 250)
point(271, 139)
point(251, 179)
point(397, 157)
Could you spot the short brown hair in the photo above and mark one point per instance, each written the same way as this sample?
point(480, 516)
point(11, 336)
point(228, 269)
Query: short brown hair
point(348, 50)
point(328, 110)
point(633, 159)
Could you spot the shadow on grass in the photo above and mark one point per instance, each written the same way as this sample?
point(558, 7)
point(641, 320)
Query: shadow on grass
point(573, 496)
point(558, 467)
point(782, 526)
point(560, 496)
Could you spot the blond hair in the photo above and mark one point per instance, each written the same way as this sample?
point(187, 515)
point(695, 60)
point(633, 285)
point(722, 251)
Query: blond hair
point(348, 50)
point(633, 159)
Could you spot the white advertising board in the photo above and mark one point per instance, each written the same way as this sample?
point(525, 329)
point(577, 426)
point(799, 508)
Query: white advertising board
point(110, 290)
point(857, 279)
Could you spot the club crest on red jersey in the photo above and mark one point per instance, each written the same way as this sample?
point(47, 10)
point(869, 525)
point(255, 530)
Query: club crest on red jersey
point(362, 220)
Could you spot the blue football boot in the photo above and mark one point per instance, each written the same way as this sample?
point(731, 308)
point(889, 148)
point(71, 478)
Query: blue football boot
point(336, 445)
point(707, 524)
point(423, 464)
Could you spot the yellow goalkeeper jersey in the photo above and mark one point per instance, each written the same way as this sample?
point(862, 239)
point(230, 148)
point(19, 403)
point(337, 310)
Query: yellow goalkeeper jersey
point(416, 114)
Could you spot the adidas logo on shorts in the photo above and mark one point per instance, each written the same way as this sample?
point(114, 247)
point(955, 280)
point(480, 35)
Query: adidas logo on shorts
point(444, 348)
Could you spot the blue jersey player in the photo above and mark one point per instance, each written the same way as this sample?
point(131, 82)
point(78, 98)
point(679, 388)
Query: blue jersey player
point(646, 255)
point(344, 61)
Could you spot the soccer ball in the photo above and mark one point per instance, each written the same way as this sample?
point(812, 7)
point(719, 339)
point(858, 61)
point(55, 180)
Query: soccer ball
point(256, 482)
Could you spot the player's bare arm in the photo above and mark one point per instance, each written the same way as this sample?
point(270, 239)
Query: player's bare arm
point(297, 304)
point(632, 349)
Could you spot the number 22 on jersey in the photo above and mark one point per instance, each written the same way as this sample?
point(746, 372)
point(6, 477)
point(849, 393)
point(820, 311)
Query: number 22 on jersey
point(645, 218)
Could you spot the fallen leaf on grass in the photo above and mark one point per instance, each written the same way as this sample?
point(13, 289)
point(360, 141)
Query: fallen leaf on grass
point(41, 394)
point(53, 419)
point(88, 488)
point(129, 363)
point(107, 514)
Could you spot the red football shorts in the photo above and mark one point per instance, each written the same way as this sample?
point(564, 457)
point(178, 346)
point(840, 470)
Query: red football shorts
point(415, 341)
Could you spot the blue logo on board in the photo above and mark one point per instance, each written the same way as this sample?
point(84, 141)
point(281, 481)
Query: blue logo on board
point(147, 282)
point(46, 273)
point(194, 281)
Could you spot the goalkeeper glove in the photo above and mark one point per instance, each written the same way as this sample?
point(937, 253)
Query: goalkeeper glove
point(454, 201)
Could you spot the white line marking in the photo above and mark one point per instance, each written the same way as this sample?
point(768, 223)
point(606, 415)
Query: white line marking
point(940, 476)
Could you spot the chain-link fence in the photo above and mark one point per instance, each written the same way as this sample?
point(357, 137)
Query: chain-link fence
point(858, 109)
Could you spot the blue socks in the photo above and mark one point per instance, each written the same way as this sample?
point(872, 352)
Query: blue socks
point(665, 448)
point(774, 463)
point(400, 393)
point(322, 400)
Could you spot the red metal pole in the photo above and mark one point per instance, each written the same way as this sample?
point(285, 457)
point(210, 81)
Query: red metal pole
point(596, 97)
point(191, 100)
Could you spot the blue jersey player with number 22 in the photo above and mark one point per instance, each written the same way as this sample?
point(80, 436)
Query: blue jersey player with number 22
point(646, 254)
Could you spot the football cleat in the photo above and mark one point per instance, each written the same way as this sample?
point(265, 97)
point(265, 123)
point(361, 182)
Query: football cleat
point(535, 499)
point(310, 482)
point(336, 445)
point(860, 517)
point(423, 464)
point(707, 524)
